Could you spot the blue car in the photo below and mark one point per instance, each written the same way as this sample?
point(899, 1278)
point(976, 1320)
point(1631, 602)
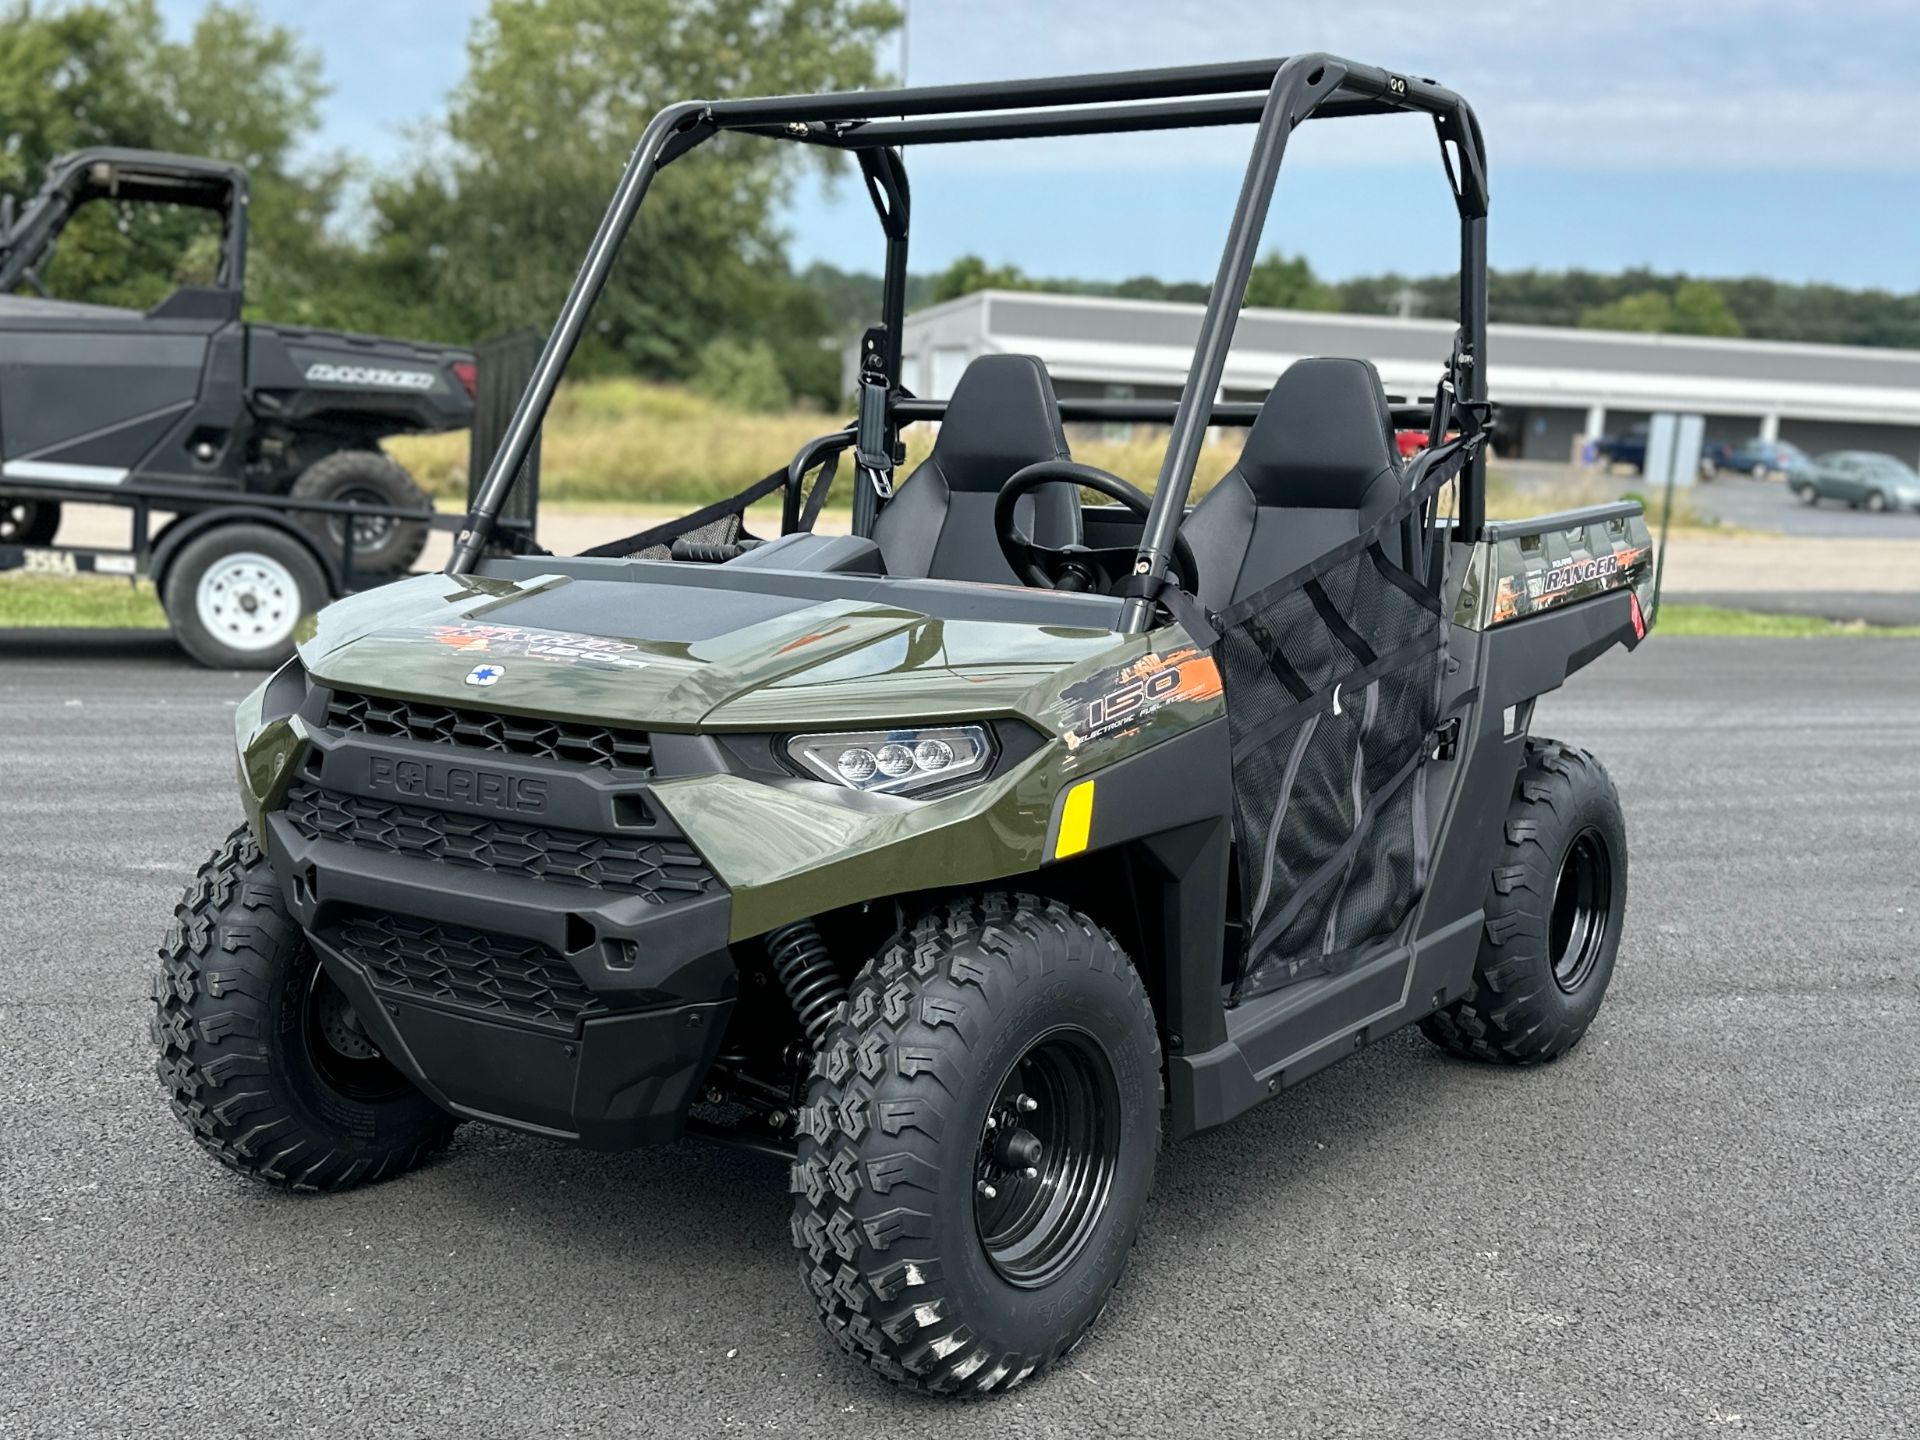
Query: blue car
point(1762, 459)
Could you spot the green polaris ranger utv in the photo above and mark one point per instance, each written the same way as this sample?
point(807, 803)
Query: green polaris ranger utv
point(959, 860)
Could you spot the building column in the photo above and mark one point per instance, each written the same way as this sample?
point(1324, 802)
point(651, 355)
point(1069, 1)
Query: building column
point(1596, 421)
point(1770, 427)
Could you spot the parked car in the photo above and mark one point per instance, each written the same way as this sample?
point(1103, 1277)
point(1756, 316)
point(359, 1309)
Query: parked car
point(1763, 459)
point(1862, 478)
point(1631, 449)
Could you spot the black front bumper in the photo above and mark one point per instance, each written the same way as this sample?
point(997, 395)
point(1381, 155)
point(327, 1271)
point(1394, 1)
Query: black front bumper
point(510, 963)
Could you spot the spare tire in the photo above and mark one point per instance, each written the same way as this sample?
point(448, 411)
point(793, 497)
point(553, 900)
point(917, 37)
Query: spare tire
point(383, 545)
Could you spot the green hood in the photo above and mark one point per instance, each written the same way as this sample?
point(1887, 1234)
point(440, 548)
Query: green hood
point(679, 657)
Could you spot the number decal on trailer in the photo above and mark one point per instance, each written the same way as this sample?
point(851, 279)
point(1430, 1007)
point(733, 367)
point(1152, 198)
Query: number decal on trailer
point(49, 562)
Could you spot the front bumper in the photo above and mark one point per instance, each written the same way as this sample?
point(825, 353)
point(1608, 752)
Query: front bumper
point(562, 968)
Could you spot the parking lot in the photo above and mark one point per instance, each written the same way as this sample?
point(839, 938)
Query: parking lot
point(1702, 1222)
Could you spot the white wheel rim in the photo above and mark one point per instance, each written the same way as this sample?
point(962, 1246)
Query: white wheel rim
point(249, 601)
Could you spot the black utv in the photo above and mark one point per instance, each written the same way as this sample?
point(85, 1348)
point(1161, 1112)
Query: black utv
point(182, 393)
point(958, 861)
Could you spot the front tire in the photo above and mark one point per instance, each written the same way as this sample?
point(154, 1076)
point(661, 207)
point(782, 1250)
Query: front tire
point(1554, 906)
point(978, 1144)
point(259, 1053)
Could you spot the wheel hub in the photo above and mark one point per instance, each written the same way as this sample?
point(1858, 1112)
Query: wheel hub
point(1046, 1158)
point(249, 601)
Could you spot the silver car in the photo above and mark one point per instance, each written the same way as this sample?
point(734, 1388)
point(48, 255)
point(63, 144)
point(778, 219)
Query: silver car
point(1862, 478)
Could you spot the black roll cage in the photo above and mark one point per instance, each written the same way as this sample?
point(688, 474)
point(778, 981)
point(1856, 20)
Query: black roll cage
point(149, 177)
point(1276, 96)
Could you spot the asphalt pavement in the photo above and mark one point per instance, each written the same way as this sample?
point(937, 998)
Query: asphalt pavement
point(1702, 1222)
point(1750, 504)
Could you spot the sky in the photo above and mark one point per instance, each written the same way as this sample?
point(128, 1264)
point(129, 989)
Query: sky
point(1723, 137)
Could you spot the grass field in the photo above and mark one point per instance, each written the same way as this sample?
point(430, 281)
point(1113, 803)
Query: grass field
point(36, 602)
point(622, 441)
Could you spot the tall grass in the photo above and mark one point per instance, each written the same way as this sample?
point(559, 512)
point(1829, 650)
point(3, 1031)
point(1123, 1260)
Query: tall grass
point(622, 442)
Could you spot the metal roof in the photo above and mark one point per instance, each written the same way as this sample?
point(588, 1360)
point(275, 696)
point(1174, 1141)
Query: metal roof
point(1141, 342)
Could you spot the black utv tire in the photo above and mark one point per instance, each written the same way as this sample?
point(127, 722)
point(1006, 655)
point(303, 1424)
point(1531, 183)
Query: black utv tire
point(259, 582)
point(382, 544)
point(259, 1053)
point(1553, 912)
point(932, 1253)
point(28, 522)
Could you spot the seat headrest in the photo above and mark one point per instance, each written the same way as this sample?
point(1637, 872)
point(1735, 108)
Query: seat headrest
point(1322, 438)
point(1003, 417)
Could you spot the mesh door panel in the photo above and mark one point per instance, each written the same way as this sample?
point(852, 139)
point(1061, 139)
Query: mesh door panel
point(1333, 691)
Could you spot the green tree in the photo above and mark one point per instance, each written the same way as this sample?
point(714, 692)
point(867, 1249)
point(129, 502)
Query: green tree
point(970, 273)
point(742, 373)
point(1649, 311)
point(1700, 309)
point(1281, 282)
point(492, 223)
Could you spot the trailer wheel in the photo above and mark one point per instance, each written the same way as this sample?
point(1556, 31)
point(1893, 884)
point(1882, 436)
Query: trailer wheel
point(382, 545)
point(977, 1145)
point(234, 594)
point(262, 1057)
point(1553, 911)
point(28, 522)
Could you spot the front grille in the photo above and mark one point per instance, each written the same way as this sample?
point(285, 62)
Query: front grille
point(572, 741)
point(660, 870)
point(514, 979)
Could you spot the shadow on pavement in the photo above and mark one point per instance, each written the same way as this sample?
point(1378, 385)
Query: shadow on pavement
point(88, 644)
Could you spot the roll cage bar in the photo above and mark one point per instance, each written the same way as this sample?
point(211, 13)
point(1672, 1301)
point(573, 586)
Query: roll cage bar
point(1275, 96)
point(148, 177)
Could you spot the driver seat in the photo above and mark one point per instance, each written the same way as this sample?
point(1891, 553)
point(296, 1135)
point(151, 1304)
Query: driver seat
point(1002, 418)
point(1320, 465)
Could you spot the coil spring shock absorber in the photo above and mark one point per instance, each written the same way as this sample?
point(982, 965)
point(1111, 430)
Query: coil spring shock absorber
point(813, 986)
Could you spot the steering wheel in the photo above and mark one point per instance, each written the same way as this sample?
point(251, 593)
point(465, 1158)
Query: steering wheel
point(1077, 567)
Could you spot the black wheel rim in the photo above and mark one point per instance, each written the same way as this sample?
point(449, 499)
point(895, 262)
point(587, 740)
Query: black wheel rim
point(368, 530)
point(1582, 910)
point(1048, 1150)
point(342, 1053)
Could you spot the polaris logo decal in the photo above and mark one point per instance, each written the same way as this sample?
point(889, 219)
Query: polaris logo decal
point(322, 372)
point(459, 784)
point(485, 674)
point(562, 647)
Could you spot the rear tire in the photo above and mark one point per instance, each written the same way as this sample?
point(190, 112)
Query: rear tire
point(1876, 502)
point(235, 593)
point(931, 1252)
point(28, 522)
point(1554, 907)
point(382, 545)
point(261, 1057)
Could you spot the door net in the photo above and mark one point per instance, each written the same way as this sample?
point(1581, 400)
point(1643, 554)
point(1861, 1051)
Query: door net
point(1333, 684)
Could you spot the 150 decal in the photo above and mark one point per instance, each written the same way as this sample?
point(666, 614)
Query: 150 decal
point(1119, 701)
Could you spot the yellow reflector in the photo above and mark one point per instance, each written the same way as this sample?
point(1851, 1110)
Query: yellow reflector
point(1076, 820)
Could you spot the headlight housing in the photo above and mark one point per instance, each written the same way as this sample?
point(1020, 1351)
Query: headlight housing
point(909, 761)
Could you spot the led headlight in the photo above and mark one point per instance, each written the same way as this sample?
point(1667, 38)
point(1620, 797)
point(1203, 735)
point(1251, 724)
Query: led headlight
point(895, 762)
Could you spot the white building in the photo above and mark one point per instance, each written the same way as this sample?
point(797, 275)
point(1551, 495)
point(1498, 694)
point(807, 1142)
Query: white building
point(1552, 386)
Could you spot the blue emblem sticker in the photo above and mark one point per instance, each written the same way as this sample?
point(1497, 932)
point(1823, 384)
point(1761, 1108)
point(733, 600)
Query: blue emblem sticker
point(485, 674)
